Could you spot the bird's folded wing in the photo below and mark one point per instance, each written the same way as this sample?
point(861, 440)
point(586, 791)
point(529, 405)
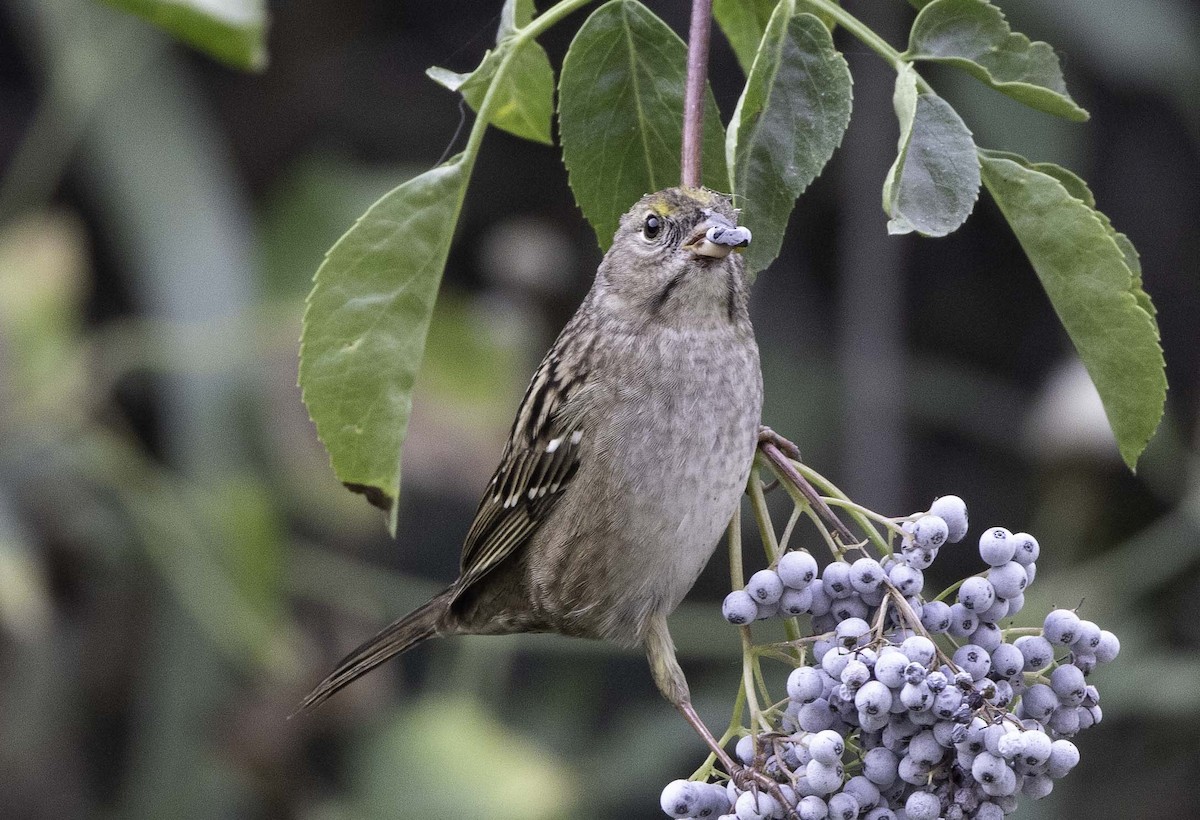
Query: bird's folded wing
point(539, 462)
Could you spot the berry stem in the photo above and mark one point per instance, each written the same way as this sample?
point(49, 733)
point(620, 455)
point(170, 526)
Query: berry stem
point(950, 590)
point(850, 506)
point(762, 516)
point(756, 716)
point(788, 472)
point(733, 730)
point(737, 576)
point(693, 101)
point(787, 531)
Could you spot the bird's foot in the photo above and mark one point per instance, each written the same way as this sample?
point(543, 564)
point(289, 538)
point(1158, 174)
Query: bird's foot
point(746, 778)
point(768, 436)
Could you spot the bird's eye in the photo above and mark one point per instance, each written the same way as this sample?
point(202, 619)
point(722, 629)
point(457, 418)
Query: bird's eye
point(652, 227)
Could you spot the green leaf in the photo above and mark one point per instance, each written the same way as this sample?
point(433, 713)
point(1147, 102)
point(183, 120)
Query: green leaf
point(621, 113)
point(744, 22)
point(525, 102)
point(366, 323)
point(516, 14)
point(1087, 276)
point(790, 119)
point(232, 31)
point(934, 182)
point(974, 36)
point(1077, 188)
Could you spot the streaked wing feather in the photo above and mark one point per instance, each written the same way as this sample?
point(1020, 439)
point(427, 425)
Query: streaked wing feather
point(538, 464)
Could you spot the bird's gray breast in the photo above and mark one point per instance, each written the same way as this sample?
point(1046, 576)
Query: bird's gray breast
point(669, 439)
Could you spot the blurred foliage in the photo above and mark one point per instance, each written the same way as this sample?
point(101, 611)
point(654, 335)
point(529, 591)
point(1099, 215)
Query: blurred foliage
point(178, 565)
point(232, 31)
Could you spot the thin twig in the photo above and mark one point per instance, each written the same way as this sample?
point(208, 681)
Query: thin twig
point(784, 466)
point(693, 101)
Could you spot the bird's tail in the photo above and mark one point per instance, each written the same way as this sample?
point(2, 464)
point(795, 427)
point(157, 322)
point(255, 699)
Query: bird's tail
point(400, 636)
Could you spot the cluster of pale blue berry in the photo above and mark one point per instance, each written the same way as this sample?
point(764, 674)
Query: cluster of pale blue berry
point(885, 720)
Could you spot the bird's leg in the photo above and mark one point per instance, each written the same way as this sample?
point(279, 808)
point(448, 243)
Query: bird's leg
point(668, 676)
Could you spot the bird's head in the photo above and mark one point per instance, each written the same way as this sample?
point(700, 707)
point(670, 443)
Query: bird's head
point(674, 258)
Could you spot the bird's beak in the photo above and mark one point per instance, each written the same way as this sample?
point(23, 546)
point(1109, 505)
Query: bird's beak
point(716, 236)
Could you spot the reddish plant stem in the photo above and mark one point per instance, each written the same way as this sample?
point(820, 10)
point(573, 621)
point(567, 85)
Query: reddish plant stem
point(693, 100)
point(776, 457)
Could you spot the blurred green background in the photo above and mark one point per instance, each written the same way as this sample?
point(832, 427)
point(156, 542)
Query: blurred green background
point(178, 565)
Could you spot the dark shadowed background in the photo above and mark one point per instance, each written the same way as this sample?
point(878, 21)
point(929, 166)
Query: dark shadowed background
point(178, 565)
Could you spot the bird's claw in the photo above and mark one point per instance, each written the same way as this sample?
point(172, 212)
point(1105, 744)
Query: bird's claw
point(746, 778)
point(768, 436)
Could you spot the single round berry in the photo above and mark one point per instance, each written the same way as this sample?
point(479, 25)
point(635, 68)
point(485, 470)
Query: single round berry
point(823, 778)
point(1027, 549)
point(827, 747)
point(1089, 637)
point(680, 798)
point(973, 660)
point(1037, 651)
point(1064, 756)
point(804, 684)
point(1007, 661)
point(952, 510)
point(996, 546)
point(837, 580)
point(909, 580)
point(1007, 579)
point(873, 698)
point(850, 630)
point(796, 601)
point(922, 806)
point(935, 616)
point(745, 749)
point(1068, 683)
point(976, 594)
point(812, 808)
point(765, 587)
point(1061, 627)
point(879, 766)
point(739, 608)
point(863, 790)
point(1108, 647)
point(1039, 702)
point(866, 575)
point(843, 806)
point(797, 569)
point(962, 621)
point(930, 532)
point(919, 649)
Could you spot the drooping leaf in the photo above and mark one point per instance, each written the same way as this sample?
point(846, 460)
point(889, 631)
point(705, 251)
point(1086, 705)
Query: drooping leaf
point(743, 23)
point(934, 182)
point(1086, 274)
point(525, 96)
point(366, 323)
point(974, 36)
point(621, 113)
point(232, 31)
point(790, 119)
point(1077, 188)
